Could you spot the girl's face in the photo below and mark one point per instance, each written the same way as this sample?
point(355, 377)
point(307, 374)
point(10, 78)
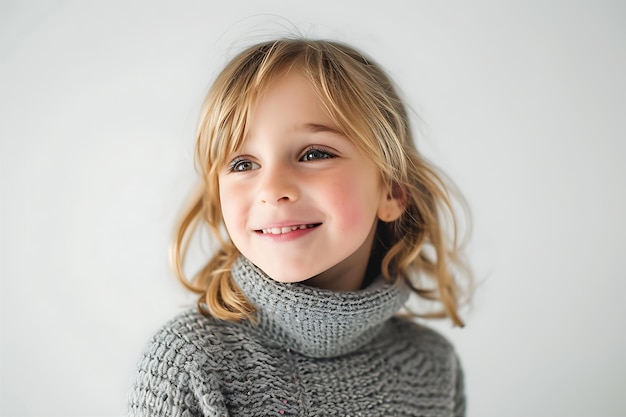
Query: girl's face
point(299, 199)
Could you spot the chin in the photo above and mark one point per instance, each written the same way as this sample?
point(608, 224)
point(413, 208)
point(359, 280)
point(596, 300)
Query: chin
point(286, 274)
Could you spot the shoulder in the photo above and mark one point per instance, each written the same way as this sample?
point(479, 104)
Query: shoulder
point(189, 325)
point(191, 332)
point(432, 360)
point(178, 346)
point(176, 370)
point(425, 358)
point(425, 341)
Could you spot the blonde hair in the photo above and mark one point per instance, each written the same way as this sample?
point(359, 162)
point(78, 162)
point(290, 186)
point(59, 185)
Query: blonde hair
point(421, 246)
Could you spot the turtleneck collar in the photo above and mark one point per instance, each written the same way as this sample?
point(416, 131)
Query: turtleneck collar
point(317, 322)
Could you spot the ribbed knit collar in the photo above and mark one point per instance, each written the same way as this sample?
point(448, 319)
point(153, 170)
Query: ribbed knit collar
point(316, 322)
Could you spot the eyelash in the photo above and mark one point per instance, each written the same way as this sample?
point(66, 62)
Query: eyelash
point(324, 154)
point(237, 162)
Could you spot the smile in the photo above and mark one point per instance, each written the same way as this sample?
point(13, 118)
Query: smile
point(287, 229)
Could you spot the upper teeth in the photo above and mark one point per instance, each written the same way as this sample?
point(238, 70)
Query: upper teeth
point(281, 230)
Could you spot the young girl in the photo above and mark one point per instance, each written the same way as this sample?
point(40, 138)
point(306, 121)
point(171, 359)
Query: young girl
point(327, 219)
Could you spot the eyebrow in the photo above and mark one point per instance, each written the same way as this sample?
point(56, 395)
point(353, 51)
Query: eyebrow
point(316, 128)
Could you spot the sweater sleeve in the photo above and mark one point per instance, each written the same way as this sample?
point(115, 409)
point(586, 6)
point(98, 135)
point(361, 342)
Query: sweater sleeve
point(170, 383)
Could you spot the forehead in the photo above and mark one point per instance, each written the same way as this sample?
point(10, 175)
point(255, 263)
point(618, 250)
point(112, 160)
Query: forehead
point(290, 101)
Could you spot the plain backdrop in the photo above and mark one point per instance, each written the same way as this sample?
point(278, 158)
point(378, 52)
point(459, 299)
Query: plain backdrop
point(521, 103)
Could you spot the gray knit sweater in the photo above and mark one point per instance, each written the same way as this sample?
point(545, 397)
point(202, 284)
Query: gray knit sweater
point(313, 353)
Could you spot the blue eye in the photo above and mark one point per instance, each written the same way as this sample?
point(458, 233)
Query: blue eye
point(240, 165)
point(313, 154)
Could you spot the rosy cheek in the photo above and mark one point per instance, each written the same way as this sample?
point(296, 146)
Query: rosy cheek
point(350, 206)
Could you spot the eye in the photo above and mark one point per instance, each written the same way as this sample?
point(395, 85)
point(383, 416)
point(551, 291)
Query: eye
point(312, 154)
point(241, 165)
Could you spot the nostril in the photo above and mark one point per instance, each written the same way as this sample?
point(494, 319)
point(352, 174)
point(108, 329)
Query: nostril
point(284, 198)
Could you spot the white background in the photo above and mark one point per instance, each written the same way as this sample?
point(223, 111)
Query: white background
point(522, 103)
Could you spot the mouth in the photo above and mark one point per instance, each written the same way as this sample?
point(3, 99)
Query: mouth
point(286, 229)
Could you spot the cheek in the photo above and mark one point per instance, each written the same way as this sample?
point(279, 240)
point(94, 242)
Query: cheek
point(230, 207)
point(354, 204)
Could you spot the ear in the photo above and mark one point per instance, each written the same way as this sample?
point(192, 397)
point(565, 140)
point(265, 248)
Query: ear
point(391, 205)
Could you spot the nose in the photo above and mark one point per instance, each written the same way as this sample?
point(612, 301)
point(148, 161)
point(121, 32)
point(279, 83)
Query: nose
point(277, 185)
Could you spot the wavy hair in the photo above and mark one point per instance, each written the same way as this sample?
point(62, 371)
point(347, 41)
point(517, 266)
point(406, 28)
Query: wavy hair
point(421, 247)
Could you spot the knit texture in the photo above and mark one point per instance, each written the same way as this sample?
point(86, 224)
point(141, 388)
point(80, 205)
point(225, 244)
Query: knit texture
point(313, 353)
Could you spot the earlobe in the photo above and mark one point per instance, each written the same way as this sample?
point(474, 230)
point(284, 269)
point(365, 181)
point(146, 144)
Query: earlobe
point(391, 208)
